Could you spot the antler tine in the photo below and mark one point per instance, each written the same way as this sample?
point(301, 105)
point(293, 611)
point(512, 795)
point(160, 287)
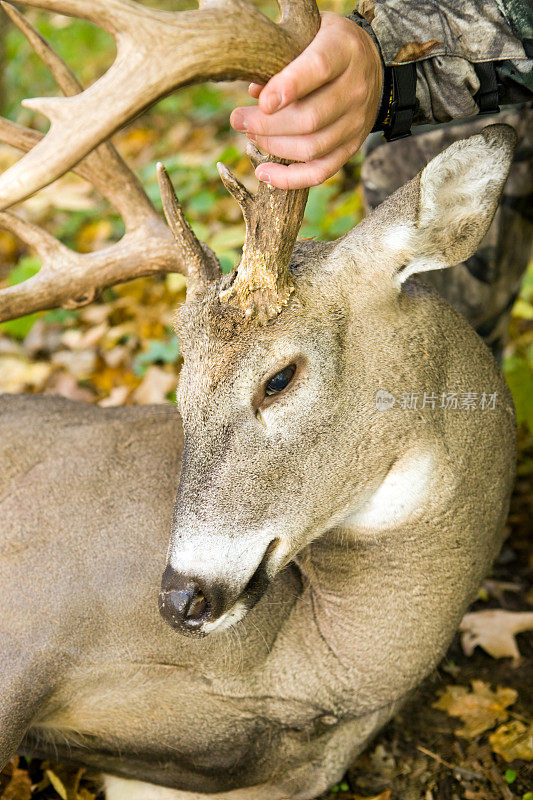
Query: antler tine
point(45, 245)
point(71, 279)
point(104, 168)
point(203, 265)
point(65, 78)
point(263, 283)
point(244, 198)
point(255, 155)
point(156, 53)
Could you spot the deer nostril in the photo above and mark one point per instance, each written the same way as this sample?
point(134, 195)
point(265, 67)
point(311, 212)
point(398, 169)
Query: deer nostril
point(186, 605)
point(197, 607)
point(183, 602)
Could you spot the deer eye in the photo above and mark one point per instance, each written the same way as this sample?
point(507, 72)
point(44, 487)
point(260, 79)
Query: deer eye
point(280, 380)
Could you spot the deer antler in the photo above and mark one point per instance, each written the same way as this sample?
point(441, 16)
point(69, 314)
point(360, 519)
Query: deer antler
point(263, 285)
point(67, 278)
point(157, 52)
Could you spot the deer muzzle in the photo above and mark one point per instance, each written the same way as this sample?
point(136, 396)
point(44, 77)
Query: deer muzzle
point(196, 607)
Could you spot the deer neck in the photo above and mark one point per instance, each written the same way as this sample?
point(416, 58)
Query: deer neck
point(376, 579)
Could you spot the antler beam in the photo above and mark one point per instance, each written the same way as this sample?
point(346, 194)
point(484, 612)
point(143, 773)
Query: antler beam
point(157, 52)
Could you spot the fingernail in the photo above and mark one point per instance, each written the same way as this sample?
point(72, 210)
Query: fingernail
point(263, 176)
point(238, 121)
point(273, 102)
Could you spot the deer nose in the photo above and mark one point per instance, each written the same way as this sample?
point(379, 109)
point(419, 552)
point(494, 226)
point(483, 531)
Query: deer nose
point(184, 602)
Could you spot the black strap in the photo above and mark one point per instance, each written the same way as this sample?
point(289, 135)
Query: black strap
point(404, 102)
point(487, 96)
point(398, 98)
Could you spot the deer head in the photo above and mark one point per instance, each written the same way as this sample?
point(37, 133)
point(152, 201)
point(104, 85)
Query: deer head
point(284, 357)
point(283, 436)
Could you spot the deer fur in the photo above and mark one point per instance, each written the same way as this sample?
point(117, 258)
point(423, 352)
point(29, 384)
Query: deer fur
point(375, 527)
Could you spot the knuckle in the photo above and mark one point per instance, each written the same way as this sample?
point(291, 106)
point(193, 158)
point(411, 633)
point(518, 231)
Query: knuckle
point(289, 89)
point(259, 126)
point(320, 64)
point(310, 150)
point(313, 120)
point(359, 92)
point(319, 174)
point(319, 146)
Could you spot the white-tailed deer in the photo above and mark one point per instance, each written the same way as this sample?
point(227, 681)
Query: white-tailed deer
point(344, 457)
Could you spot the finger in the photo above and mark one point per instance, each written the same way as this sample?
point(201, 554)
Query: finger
point(314, 112)
point(311, 146)
point(255, 89)
point(313, 68)
point(313, 173)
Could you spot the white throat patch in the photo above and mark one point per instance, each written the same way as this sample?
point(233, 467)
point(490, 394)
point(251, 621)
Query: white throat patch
point(402, 493)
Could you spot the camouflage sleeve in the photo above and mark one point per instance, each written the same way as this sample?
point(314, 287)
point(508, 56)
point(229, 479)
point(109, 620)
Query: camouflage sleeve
point(445, 39)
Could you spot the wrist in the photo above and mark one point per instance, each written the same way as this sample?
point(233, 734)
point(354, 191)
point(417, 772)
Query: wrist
point(398, 104)
point(371, 42)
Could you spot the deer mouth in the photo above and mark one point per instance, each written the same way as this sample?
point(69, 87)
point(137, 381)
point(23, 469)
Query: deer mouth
point(197, 608)
point(249, 597)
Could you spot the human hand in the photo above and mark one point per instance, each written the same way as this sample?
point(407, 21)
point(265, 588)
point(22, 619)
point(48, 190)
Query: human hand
point(319, 109)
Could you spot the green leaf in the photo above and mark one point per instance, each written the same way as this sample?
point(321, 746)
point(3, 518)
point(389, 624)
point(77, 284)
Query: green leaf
point(227, 261)
point(510, 775)
point(230, 154)
point(339, 226)
point(19, 328)
point(26, 268)
point(202, 203)
point(519, 377)
point(162, 352)
point(60, 316)
point(523, 309)
point(317, 204)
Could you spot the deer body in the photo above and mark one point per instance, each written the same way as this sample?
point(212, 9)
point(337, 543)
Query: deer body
point(281, 705)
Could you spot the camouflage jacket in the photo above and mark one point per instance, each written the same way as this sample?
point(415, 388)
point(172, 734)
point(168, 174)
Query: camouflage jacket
point(445, 39)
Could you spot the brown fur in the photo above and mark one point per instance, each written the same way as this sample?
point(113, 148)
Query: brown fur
point(378, 525)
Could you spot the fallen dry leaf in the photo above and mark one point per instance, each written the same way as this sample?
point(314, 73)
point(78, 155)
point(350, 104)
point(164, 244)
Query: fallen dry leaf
point(155, 386)
point(514, 740)
point(479, 709)
point(15, 783)
point(495, 632)
point(66, 385)
point(17, 374)
point(79, 363)
point(383, 796)
point(117, 397)
point(94, 235)
point(57, 783)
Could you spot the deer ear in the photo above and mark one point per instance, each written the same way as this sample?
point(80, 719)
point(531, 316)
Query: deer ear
point(458, 195)
point(438, 218)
